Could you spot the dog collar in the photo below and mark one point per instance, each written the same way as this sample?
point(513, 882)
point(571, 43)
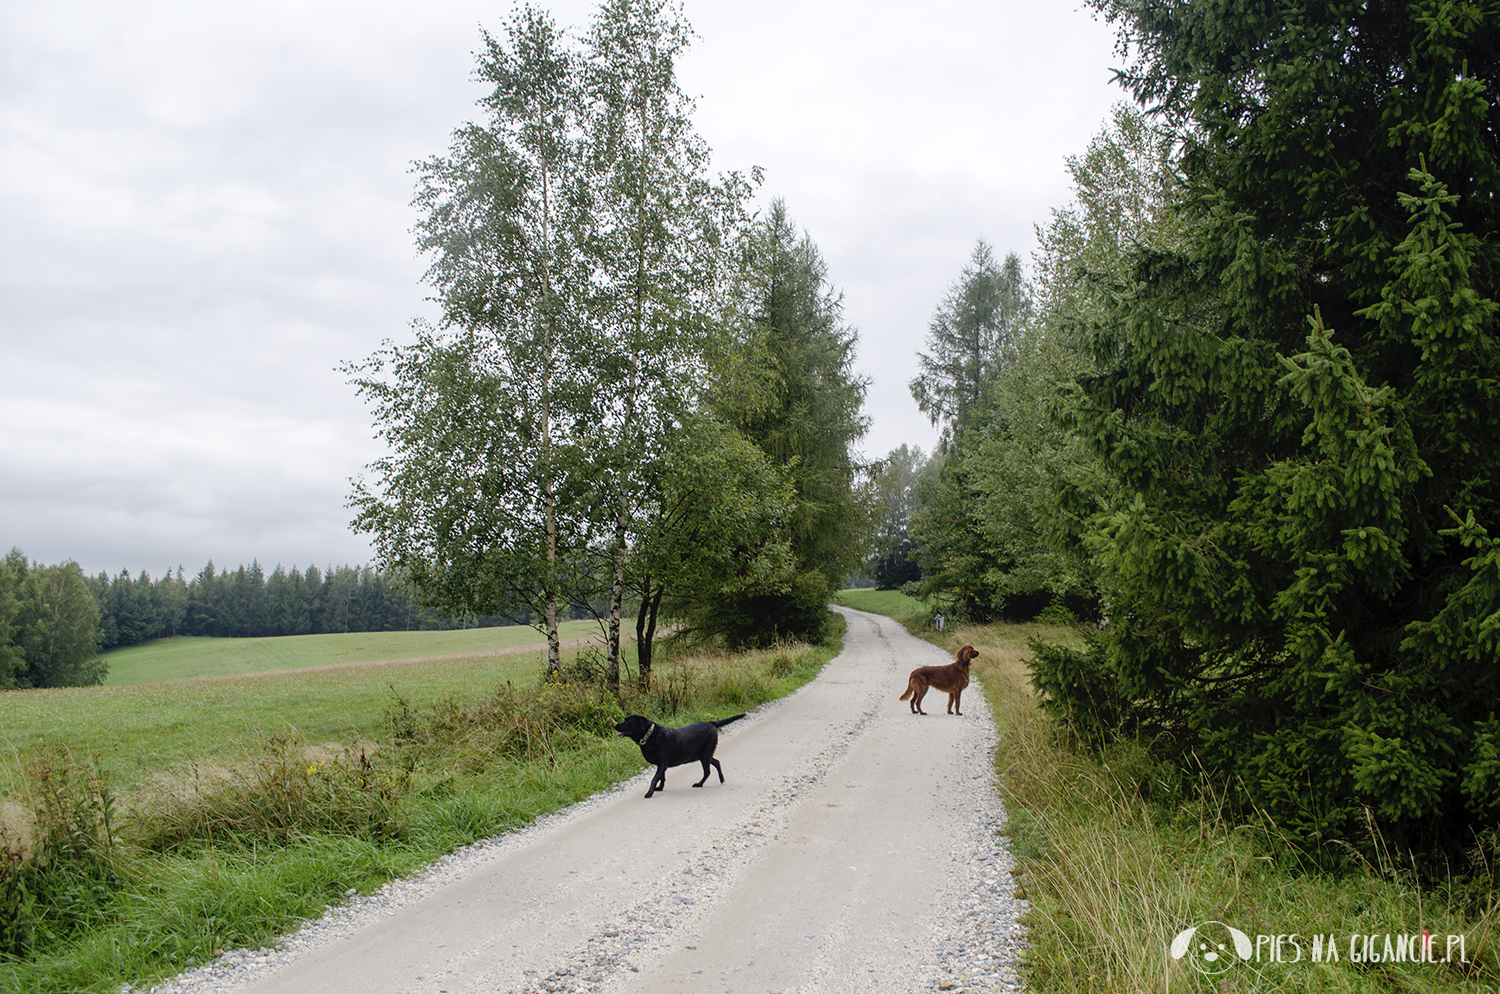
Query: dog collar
point(647, 735)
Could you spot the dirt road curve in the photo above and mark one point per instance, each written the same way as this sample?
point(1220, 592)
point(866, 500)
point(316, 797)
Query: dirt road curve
point(852, 849)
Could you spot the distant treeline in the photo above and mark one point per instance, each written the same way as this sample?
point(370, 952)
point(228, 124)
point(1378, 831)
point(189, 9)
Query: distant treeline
point(55, 620)
point(248, 602)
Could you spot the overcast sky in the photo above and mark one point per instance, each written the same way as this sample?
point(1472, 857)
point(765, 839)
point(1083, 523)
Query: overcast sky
point(205, 208)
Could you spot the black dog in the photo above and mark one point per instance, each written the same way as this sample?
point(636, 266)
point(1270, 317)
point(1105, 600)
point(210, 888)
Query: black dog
point(675, 746)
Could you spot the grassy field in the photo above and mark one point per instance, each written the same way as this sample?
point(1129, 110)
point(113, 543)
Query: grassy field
point(143, 728)
point(891, 603)
point(145, 826)
point(186, 700)
point(184, 658)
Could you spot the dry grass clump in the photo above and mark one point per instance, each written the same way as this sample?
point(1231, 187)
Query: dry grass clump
point(58, 860)
point(286, 789)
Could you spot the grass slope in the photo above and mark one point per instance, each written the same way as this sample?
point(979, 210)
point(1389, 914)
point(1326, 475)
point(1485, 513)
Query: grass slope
point(892, 603)
point(185, 658)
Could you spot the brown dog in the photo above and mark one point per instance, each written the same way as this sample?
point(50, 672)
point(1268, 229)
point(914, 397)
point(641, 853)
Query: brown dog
point(952, 678)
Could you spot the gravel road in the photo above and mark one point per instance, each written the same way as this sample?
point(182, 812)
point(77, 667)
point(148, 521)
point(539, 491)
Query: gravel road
point(852, 848)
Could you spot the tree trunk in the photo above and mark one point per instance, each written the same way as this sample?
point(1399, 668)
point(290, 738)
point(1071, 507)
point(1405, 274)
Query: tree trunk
point(616, 599)
point(645, 630)
point(554, 644)
point(549, 498)
point(642, 643)
point(622, 531)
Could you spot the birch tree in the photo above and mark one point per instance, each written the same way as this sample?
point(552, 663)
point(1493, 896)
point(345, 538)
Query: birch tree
point(468, 505)
point(657, 228)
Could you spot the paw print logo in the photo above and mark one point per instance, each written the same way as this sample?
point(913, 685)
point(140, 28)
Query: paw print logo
point(1212, 947)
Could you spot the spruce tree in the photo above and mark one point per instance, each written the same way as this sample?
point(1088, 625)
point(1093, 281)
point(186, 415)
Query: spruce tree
point(1295, 415)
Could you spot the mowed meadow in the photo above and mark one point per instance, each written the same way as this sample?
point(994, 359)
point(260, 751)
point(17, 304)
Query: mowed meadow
point(187, 700)
point(197, 658)
point(148, 825)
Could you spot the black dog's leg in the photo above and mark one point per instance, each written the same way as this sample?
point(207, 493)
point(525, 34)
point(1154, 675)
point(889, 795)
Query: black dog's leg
point(705, 763)
point(658, 782)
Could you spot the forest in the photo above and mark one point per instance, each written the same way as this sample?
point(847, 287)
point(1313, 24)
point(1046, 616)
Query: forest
point(1241, 422)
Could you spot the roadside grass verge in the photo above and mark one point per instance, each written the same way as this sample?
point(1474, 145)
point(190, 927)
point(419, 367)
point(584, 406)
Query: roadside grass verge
point(101, 887)
point(1116, 857)
point(188, 658)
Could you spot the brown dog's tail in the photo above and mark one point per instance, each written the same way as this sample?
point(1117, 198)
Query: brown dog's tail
point(911, 688)
point(721, 724)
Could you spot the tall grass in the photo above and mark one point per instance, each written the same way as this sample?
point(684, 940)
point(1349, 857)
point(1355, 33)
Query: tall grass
point(201, 856)
point(1117, 855)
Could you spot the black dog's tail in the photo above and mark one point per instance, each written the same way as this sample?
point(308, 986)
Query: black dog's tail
point(721, 724)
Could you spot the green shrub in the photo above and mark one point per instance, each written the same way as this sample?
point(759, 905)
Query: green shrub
point(1295, 494)
point(798, 614)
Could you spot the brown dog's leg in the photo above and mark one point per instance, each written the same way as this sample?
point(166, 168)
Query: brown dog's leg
point(953, 703)
point(916, 699)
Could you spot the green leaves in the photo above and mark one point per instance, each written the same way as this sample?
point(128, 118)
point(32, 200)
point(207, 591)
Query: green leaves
point(1288, 601)
point(49, 626)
